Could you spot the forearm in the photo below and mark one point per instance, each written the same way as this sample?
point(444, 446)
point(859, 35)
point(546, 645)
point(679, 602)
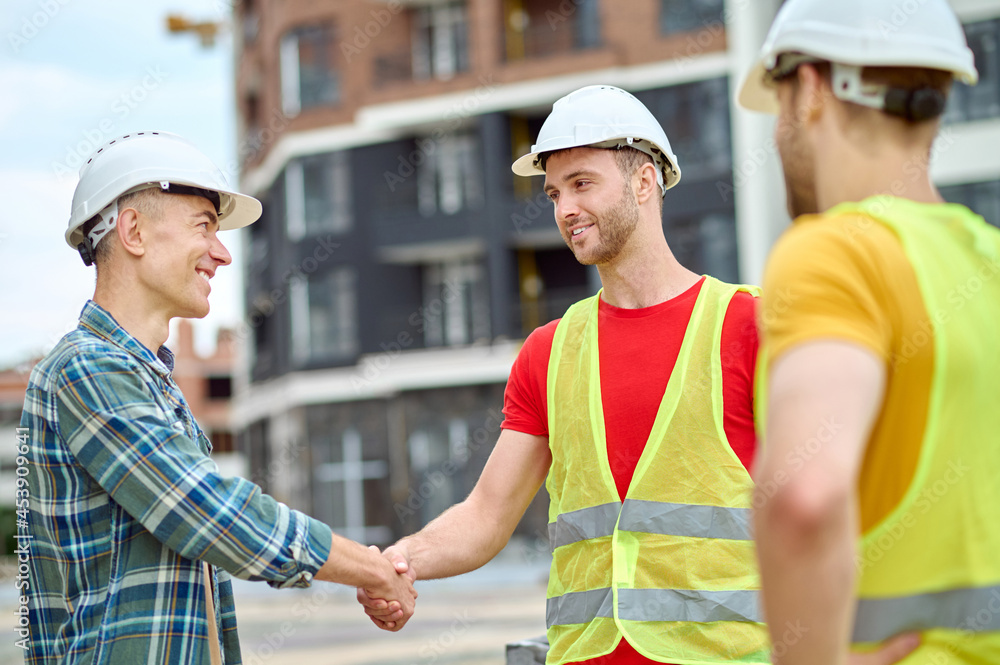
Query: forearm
point(808, 574)
point(353, 564)
point(469, 534)
point(461, 539)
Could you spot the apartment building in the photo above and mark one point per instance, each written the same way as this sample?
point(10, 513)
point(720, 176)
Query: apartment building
point(399, 262)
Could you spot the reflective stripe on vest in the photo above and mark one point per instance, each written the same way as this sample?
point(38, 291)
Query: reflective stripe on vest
point(669, 519)
point(670, 569)
point(973, 610)
point(654, 605)
point(931, 563)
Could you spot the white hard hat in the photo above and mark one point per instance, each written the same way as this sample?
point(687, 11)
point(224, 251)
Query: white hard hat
point(860, 33)
point(143, 160)
point(602, 116)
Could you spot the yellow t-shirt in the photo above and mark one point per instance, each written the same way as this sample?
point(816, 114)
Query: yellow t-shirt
point(847, 277)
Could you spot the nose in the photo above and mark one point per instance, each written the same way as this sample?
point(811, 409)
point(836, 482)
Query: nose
point(219, 252)
point(566, 209)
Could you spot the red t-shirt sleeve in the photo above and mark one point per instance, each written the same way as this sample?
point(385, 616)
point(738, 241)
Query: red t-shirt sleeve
point(525, 403)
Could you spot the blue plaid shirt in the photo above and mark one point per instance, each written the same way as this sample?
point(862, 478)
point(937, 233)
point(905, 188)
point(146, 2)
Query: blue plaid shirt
point(125, 503)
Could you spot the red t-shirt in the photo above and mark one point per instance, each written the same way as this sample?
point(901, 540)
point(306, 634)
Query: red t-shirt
point(638, 349)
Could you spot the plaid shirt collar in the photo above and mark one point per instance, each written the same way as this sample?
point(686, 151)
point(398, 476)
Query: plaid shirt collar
point(100, 322)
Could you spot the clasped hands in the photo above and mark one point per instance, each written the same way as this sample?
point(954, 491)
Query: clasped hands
point(391, 607)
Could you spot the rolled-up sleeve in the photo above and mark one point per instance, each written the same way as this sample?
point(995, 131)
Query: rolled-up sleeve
point(143, 458)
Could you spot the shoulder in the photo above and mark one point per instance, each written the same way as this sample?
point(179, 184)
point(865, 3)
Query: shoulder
point(83, 356)
point(79, 349)
point(820, 240)
point(538, 345)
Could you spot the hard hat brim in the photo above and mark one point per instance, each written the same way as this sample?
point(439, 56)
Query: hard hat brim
point(755, 94)
point(526, 165)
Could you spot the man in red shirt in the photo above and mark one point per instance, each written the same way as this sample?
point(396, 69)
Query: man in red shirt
point(651, 475)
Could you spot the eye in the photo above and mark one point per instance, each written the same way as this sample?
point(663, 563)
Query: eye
point(553, 196)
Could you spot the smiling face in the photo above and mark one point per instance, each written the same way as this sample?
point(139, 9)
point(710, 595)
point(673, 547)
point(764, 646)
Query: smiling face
point(183, 252)
point(595, 207)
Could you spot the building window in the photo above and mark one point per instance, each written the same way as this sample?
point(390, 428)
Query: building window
point(257, 447)
point(324, 317)
point(432, 450)
point(310, 74)
point(440, 41)
point(449, 179)
point(983, 198)
point(219, 387)
point(706, 244)
point(537, 28)
point(222, 441)
point(981, 101)
point(689, 15)
point(318, 195)
point(456, 303)
point(342, 478)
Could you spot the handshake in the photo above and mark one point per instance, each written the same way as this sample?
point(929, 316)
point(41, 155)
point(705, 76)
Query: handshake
point(391, 604)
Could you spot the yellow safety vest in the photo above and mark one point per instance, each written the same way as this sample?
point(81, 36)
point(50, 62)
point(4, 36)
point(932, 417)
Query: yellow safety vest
point(671, 568)
point(933, 564)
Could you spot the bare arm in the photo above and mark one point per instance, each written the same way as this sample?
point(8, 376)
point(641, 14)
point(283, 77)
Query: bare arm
point(471, 533)
point(823, 399)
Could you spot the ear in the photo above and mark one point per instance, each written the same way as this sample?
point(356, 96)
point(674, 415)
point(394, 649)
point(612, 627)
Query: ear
point(130, 232)
point(813, 94)
point(645, 183)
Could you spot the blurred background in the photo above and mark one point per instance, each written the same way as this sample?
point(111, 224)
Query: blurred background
point(355, 358)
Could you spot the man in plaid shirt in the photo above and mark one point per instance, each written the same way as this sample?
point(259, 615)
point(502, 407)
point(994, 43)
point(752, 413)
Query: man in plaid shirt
point(133, 532)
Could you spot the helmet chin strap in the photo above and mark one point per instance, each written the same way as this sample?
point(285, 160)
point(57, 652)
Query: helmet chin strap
point(108, 221)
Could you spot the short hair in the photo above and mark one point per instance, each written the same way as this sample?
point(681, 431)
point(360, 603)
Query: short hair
point(147, 201)
point(630, 160)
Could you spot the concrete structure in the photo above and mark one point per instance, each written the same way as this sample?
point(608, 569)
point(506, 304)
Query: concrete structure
point(399, 262)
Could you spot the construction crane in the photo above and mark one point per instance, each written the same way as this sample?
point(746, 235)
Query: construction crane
point(206, 30)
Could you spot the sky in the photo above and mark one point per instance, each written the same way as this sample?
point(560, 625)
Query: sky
point(74, 74)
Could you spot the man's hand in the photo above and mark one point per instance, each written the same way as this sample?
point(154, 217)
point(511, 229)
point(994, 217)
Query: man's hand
point(391, 605)
point(892, 651)
point(389, 615)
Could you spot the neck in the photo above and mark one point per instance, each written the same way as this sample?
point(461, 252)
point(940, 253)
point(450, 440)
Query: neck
point(645, 273)
point(853, 175)
point(137, 318)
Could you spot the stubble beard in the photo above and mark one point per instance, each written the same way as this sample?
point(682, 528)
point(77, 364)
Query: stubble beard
point(800, 181)
point(617, 224)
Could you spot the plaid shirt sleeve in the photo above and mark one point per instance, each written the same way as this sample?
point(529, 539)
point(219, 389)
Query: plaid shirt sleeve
point(147, 462)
